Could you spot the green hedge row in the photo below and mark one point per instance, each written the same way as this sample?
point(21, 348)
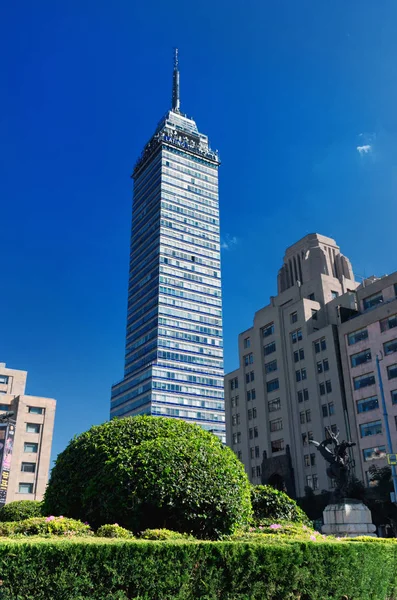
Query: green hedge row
point(126, 570)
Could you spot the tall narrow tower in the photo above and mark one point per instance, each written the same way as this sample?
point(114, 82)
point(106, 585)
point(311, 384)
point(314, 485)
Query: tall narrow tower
point(174, 349)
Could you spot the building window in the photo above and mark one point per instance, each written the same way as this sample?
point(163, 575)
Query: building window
point(253, 472)
point(312, 460)
point(294, 317)
point(252, 375)
point(334, 294)
point(311, 297)
point(388, 323)
point(247, 342)
point(372, 428)
point(325, 365)
point(254, 413)
point(374, 453)
point(258, 470)
point(32, 428)
point(274, 405)
point(239, 455)
point(394, 396)
point(252, 452)
point(314, 314)
point(25, 488)
point(319, 367)
point(3, 378)
point(320, 345)
point(304, 439)
point(363, 381)
point(360, 358)
point(269, 348)
point(331, 408)
point(276, 425)
point(373, 300)
point(256, 433)
point(247, 378)
point(322, 389)
point(257, 452)
point(324, 408)
point(296, 356)
point(30, 447)
point(248, 395)
point(390, 347)
point(28, 467)
point(272, 385)
point(250, 414)
point(312, 482)
point(305, 394)
point(301, 375)
point(392, 371)
point(300, 397)
point(268, 330)
point(248, 359)
point(251, 433)
point(307, 460)
point(5, 407)
point(277, 445)
point(270, 367)
point(308, 416)
point(253, 394)
point(367, 404)
point(357, 336)
point(236, 419)
point(234, 383)
point(328, 387)
point(302, 417)
point(296, 336)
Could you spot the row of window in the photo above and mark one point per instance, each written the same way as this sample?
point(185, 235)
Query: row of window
point(34, 410)
point(305, 416)
point(369, 378)
point(256, 471)
point(362, 334)
point(254, 452)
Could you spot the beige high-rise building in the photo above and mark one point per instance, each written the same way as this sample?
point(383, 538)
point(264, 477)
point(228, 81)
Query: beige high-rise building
point(289, 388)
point(31, 430)
point(308, 366)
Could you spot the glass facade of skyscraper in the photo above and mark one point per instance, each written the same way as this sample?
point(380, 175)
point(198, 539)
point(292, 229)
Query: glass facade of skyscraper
point(174, 347)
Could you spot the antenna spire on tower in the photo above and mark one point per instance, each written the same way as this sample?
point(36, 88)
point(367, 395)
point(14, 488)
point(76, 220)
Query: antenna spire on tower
point(175, 83)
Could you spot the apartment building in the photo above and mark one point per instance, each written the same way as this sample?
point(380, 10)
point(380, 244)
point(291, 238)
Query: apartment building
point(368, 332)
point(25, 438)
point(289, 386)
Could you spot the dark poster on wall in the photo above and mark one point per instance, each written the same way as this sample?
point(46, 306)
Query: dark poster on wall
point(7, 433)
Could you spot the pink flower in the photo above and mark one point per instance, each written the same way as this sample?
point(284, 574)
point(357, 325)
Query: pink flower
point(304, 527)
point(50, 519)
point(116, 524)
point(61, 517)
point(275, 526)
point(260, 527)
point(313, 538)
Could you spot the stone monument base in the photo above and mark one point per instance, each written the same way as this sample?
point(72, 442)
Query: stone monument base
point(348, 518)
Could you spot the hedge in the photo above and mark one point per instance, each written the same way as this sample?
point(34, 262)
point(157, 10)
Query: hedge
point(141, 570)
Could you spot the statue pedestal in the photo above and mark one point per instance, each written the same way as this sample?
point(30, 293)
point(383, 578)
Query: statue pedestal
point(348, 518)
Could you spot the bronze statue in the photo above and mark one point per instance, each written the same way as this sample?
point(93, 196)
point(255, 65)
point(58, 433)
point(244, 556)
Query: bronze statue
point(339, 459)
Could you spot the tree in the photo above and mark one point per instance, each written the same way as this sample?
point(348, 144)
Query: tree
point(271, 504)
point(150, 472)
point(384, 512)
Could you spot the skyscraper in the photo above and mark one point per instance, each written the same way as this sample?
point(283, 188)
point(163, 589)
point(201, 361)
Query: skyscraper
point(174, 349)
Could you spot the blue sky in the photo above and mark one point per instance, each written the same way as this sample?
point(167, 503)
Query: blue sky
point(287, 91)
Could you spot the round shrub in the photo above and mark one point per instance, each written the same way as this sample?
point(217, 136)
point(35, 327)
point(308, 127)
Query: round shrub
point(151, 472)
point(164, 534)
point(20, 509)
point(271, 504)
point(113, 531)
point(46, 526)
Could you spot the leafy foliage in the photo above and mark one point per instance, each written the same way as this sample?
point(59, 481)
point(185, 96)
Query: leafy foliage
point(113, 531)
point(102, 569)
point(20, 509)
point(151, 472)
point(164, 534)
point(45, 526)
point(269, 503)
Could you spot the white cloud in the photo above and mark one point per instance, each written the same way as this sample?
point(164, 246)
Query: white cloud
point(364, 149)
point(228, 242)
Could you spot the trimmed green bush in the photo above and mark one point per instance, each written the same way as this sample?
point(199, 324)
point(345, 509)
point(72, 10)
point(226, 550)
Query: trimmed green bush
point(20, 510)
point(271, 504)
point(164, 534)
point(151, 472)
point(99, 569)
point(113, 531)
point(45, 526)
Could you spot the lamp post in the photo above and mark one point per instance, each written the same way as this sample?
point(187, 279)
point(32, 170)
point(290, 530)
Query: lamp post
point(386, 420)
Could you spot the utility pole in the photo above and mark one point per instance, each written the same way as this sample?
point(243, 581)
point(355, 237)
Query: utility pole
point(387, 428)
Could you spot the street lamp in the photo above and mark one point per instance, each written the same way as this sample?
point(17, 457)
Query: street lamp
point(386, 419)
